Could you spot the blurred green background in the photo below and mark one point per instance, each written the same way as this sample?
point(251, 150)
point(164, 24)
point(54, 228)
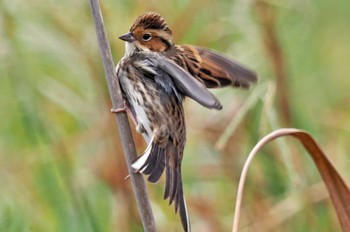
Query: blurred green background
point(61, 162)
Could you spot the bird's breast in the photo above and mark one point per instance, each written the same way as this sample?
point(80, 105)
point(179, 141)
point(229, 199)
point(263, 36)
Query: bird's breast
point(152, 98)
point(134, 93)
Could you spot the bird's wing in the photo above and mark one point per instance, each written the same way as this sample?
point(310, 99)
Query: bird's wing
point(216, 70)
point(182, 79)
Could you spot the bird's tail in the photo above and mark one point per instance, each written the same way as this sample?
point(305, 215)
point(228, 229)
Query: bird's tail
point(174, 191)
point(153, 162)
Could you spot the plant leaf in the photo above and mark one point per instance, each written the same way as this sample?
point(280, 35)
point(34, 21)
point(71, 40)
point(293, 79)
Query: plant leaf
point(337, 188)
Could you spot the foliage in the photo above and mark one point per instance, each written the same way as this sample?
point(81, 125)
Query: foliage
point(61, 164)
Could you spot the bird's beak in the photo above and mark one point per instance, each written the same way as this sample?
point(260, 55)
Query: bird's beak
point(127, 37)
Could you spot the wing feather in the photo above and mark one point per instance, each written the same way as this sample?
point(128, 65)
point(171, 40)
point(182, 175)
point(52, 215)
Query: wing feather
point(216, 70)
point(182, 79)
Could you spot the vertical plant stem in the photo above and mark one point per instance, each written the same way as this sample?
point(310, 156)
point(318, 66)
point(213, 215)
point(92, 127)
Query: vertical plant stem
point(137, 180)
point(273, 48)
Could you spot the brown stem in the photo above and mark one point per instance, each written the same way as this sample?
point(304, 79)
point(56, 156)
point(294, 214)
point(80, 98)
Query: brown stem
point(338, 190)
point(273, 48)
point(137, 180)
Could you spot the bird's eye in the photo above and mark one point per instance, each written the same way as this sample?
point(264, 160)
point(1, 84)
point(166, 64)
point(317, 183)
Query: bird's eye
point(146, 37)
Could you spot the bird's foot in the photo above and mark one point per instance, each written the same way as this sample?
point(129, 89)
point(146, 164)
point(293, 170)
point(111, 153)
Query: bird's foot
point(125, 109)
point(120, 110)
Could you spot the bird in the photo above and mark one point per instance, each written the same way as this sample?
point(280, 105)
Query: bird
point(155, 76)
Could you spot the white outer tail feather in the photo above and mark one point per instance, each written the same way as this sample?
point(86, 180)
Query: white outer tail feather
point(188, 218)
point(140, 161)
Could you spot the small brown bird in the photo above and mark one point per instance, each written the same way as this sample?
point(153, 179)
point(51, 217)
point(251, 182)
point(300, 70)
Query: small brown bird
point(155, 76)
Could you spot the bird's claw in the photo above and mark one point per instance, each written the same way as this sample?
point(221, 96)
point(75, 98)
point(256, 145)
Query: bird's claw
point(119, 110)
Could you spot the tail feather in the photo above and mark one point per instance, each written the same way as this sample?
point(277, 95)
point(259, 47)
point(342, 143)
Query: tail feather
point(171, 182)
point(158, 169)
point(174, 191)
point(153, 162)
point(180, 203)
point(167, 179)
point(174, 187)
point(178, 196)
point(182, 207)
point(140, 162)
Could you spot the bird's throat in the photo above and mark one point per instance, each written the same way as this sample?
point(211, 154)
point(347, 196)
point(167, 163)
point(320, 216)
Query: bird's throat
point(130, 48)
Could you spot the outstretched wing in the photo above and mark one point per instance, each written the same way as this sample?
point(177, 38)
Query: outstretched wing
point(182, 79)
point(216, 70)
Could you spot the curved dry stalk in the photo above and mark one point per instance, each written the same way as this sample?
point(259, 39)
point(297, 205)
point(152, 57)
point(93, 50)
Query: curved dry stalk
point(338, 190)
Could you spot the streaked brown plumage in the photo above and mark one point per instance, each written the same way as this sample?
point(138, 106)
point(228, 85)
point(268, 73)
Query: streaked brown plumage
point(155, 76)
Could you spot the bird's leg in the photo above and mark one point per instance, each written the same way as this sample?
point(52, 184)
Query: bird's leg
point(121, 110)
point(126, 109)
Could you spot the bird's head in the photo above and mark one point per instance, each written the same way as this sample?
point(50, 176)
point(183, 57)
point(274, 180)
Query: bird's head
point(149, 32)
